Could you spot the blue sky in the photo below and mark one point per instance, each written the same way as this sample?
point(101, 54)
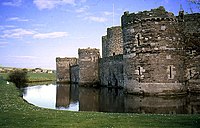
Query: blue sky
point(34, 32)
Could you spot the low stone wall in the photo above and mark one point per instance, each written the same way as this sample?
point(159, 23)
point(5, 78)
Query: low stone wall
point(111, 71)
point(194, 86)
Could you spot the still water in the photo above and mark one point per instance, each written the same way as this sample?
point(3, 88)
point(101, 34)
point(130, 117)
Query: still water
point(75, 98)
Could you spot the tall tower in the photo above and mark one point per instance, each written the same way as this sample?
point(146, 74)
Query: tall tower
point(153, 55)
point(112, 43)
point(88, 66)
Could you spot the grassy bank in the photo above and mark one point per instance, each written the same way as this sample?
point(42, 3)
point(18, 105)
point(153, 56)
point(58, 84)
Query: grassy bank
point(36, 77)
point(39, 77)
point(14, 112)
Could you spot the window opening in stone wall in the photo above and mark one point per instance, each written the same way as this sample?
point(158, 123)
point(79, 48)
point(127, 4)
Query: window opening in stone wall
point(138, 39)
point(170, 72)
point(139, 70)
point(190, 73)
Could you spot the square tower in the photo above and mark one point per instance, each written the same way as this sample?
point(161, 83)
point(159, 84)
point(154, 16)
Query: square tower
point(88, 66)
point(63, 68)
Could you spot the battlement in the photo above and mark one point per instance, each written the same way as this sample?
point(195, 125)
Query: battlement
point(158, 14)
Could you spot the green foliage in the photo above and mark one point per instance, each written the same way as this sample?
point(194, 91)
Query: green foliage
point(18, 77)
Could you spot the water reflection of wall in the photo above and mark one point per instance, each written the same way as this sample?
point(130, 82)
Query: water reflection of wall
point(88, 99)
point(62, 96)
point(66, 94)
point(114, 100)
point(111, 100)
point(74, 93)
point(157, 105)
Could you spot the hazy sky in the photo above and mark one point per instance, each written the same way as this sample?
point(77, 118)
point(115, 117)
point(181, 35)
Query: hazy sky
point(34, 32)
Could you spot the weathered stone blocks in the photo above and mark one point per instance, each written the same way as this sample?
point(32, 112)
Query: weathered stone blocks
point(63, 68)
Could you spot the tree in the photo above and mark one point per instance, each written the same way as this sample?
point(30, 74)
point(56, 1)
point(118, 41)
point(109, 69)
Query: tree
point(18, 77)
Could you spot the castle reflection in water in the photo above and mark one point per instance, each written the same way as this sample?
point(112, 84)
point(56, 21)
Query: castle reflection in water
point(114, 100)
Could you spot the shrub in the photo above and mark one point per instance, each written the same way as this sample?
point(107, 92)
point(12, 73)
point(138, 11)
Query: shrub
point(18, 77)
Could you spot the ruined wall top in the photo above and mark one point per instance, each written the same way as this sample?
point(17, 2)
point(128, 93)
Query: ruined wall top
point(58, 59)
point(114, 30)
point(153, 15)
point(88, 52)
point(112, 43)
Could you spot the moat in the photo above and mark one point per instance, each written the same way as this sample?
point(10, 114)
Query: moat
point(75, 98)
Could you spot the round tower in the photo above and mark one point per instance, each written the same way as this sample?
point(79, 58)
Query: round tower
point(153, 55)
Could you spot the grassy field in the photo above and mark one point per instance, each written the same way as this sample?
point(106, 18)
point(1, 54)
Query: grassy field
point(16, 113)
point(36, 77)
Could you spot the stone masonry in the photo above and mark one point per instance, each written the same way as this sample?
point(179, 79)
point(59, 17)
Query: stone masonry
point(88, 66)
point(153, 53)
point(153, 56)
point(112, 43)
point(111, 71)
point(63, 68)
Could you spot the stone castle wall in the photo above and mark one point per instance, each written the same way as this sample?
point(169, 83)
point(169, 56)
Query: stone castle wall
point(112, 43)
point(111, 71)
point(74, 74)
point(148, 54)
point(88, 66)
point(191, 25)
point(63, 68)
point(153, 56)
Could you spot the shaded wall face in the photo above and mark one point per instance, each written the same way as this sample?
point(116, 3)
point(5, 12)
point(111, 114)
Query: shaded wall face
point(191, 27)
point(111, 71)
point(74, 74)
point(104, 46)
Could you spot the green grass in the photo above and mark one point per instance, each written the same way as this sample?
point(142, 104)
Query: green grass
point(36, 77)
point(15, 113)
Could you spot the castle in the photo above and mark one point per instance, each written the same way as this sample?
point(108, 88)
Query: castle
point(152, 52)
